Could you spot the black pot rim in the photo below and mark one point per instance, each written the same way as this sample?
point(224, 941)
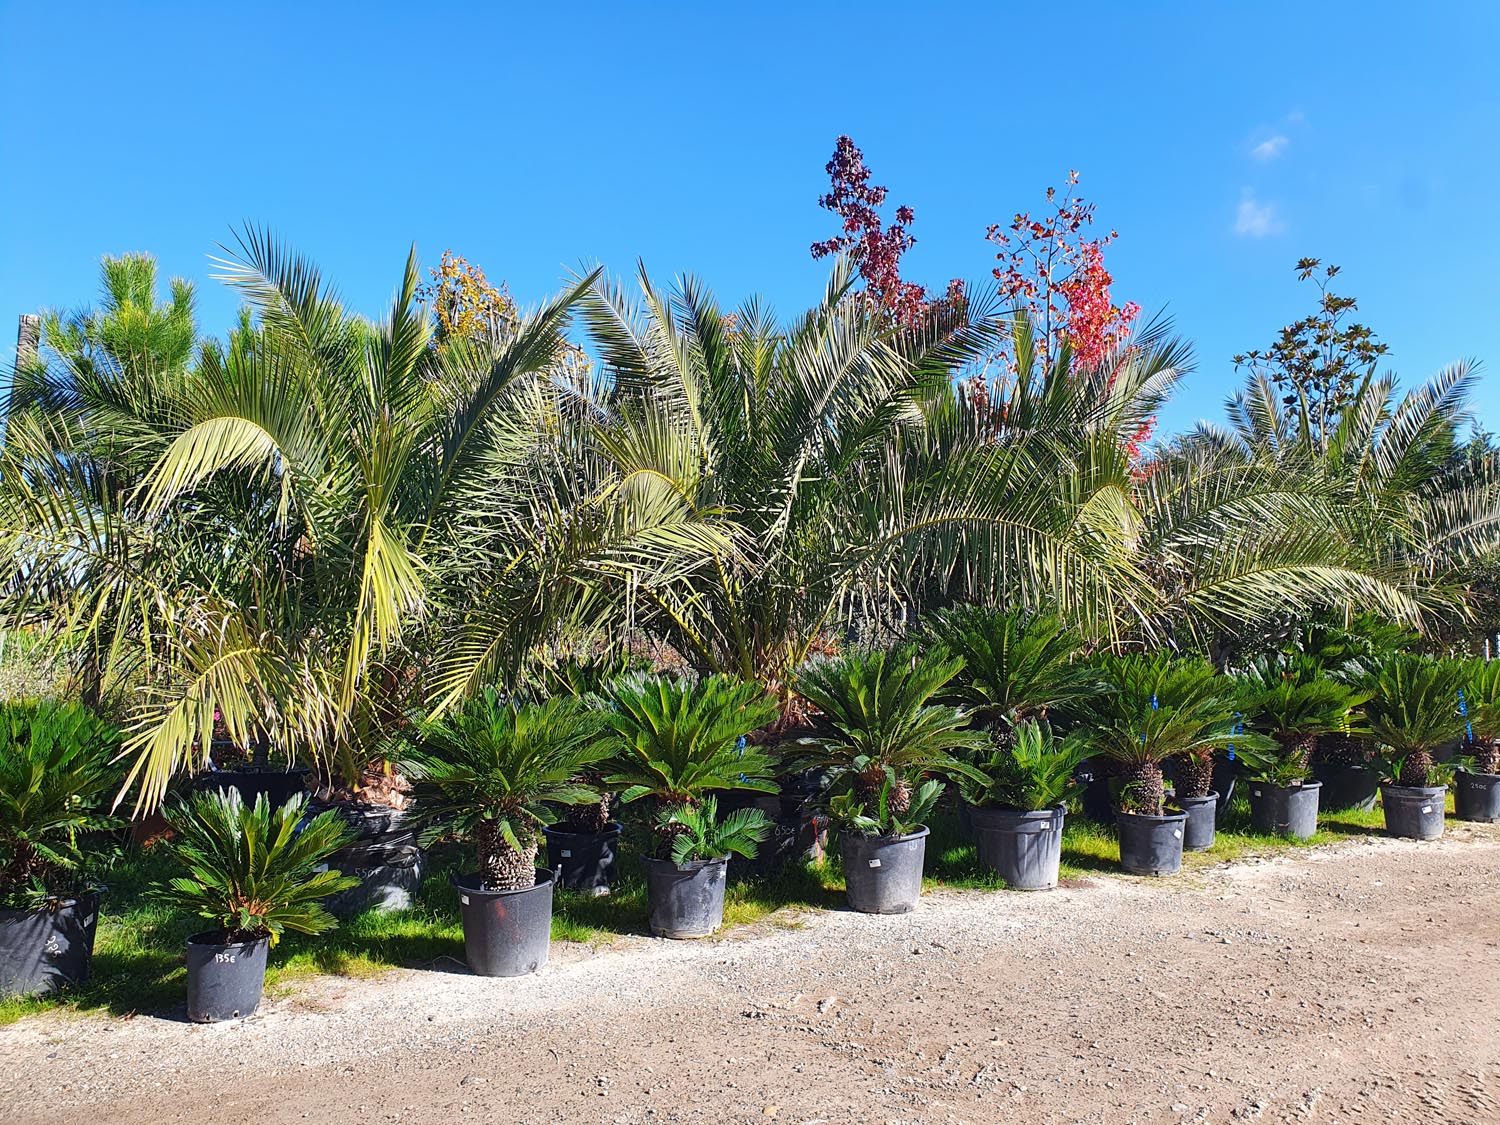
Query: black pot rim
point(210, 939)
point(470, 883)
point(1203, 800)
point(1422, 790)
point(1477, 773)
point(55, 903)
point(1049, 813)
point(1167, 818)
point(690, 867)
point(1305, 784)
point(922, 830)
point(613, 828)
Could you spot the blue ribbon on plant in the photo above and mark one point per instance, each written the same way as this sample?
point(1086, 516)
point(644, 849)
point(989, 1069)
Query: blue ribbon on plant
point(739, 751)
point(1239, 728)
point(1463, 709)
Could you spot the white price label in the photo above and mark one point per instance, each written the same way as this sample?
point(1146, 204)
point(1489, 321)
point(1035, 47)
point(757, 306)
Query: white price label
point(874, 863)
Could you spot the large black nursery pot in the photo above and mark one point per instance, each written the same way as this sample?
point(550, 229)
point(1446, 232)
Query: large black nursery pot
point(883, 874)
point(277, 785)
point(1285, 810)
point(1023, 848)
point(1151, 845)
point(584, 861)
point(1346, 786)
point(506, 933)
point(1226, 777)
point(224, 979)
point(1202, 822)
point(1098, 802)
point(47, 948)
point(686, 900)
point(1476, 796)
point(1414, 812)
point(384, 856)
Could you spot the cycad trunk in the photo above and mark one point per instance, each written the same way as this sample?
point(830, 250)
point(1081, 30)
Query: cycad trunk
point(593, 817)
point(502, 867)
point(869, 784)
point(1297, 749)
point(1195, 774)
point(1416, 769)
point(1141, 789)
point(1487, 755)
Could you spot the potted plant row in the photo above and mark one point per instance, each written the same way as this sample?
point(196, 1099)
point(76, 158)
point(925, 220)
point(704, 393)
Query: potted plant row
point(55, 775)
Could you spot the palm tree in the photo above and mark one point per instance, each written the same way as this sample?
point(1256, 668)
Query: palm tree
point(493, 770)
point(1160, 707)
point(1412, 711)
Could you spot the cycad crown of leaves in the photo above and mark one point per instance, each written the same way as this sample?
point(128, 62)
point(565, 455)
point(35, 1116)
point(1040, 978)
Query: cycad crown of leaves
point(881, 723)
point(1030, 771)
point(1482, 700)
point(492, 770)
point(1158, 707)
point(851, 812)
point(697, 833)
point(1294, 703)
point(1413, 711)
point(676, 740)
point(55, 772)
point(250, 870)
point(1015, 665)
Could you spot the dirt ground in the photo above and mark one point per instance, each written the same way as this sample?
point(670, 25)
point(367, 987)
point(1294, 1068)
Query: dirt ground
point(1354, 983)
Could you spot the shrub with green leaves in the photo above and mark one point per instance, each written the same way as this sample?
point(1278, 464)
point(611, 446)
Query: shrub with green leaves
point(696, 832)
point(253, 871)
point(1016, 665)
point(1482, 701)
point(851, 813)
point(55, 778)
point(493, 771)
point(881, 730)
point(1032, 770)
point(1295, 704)
point(677, 741)
point(1412, 711)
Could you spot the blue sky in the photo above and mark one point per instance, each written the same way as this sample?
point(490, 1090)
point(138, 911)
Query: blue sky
point(1222, 140)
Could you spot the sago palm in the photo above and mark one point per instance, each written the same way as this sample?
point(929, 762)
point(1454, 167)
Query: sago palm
point(1412, 711)
point(880, 726)
point(1295, 704)
point(1482, 701)
point(1033, 770)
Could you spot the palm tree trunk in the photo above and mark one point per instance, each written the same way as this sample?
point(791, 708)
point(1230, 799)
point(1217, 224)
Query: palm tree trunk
point(502, 867)
point(1141, 789)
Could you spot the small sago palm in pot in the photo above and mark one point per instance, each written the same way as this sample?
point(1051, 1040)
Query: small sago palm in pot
point(1018, 665)
point(881, 734)
point(253, 872)
point(1158, 708)
point(1476, 784)
point(677, 743)
point(1019, 802)
point(1413, 712)
point(493, 773)
point(55, 777)
point(1293, 704)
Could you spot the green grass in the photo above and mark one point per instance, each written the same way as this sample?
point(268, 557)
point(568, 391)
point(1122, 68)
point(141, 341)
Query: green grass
point(138, 954)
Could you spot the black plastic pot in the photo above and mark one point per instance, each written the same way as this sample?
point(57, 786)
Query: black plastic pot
point(1202, 821)
point(1346, 787)
point(1023, 848)
point(686, 900)
point(1098, 803)
point(1226, 777)
point(883, 874)
point(384, 857)
point(277, 785)
point(43, 950)
point(506, 933)
point(224, 979)
point(1414, 812)
point(584, 860)
point(1151, 845)
point(1476, 796)
point(1285, 810)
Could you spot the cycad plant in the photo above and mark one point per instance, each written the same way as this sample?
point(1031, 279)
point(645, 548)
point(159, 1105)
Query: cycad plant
point(1016, 665)
point(493, 770)
point(1033, 770)
point(254, 871)
point(1412, 711)
point(1294, 704)
point(696, 832)
point(882, 732)
point(1160, 707)
point(55, 777)
point(677, 742)
point(1482, 701)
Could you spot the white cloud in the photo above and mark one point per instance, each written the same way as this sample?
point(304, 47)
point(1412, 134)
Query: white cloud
point(1255, 219)
point(1270, 148)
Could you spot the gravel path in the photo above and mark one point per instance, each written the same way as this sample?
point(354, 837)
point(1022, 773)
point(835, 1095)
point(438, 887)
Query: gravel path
point(1359, 982)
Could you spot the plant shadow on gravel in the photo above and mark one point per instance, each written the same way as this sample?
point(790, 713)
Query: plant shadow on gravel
point(138, 965)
